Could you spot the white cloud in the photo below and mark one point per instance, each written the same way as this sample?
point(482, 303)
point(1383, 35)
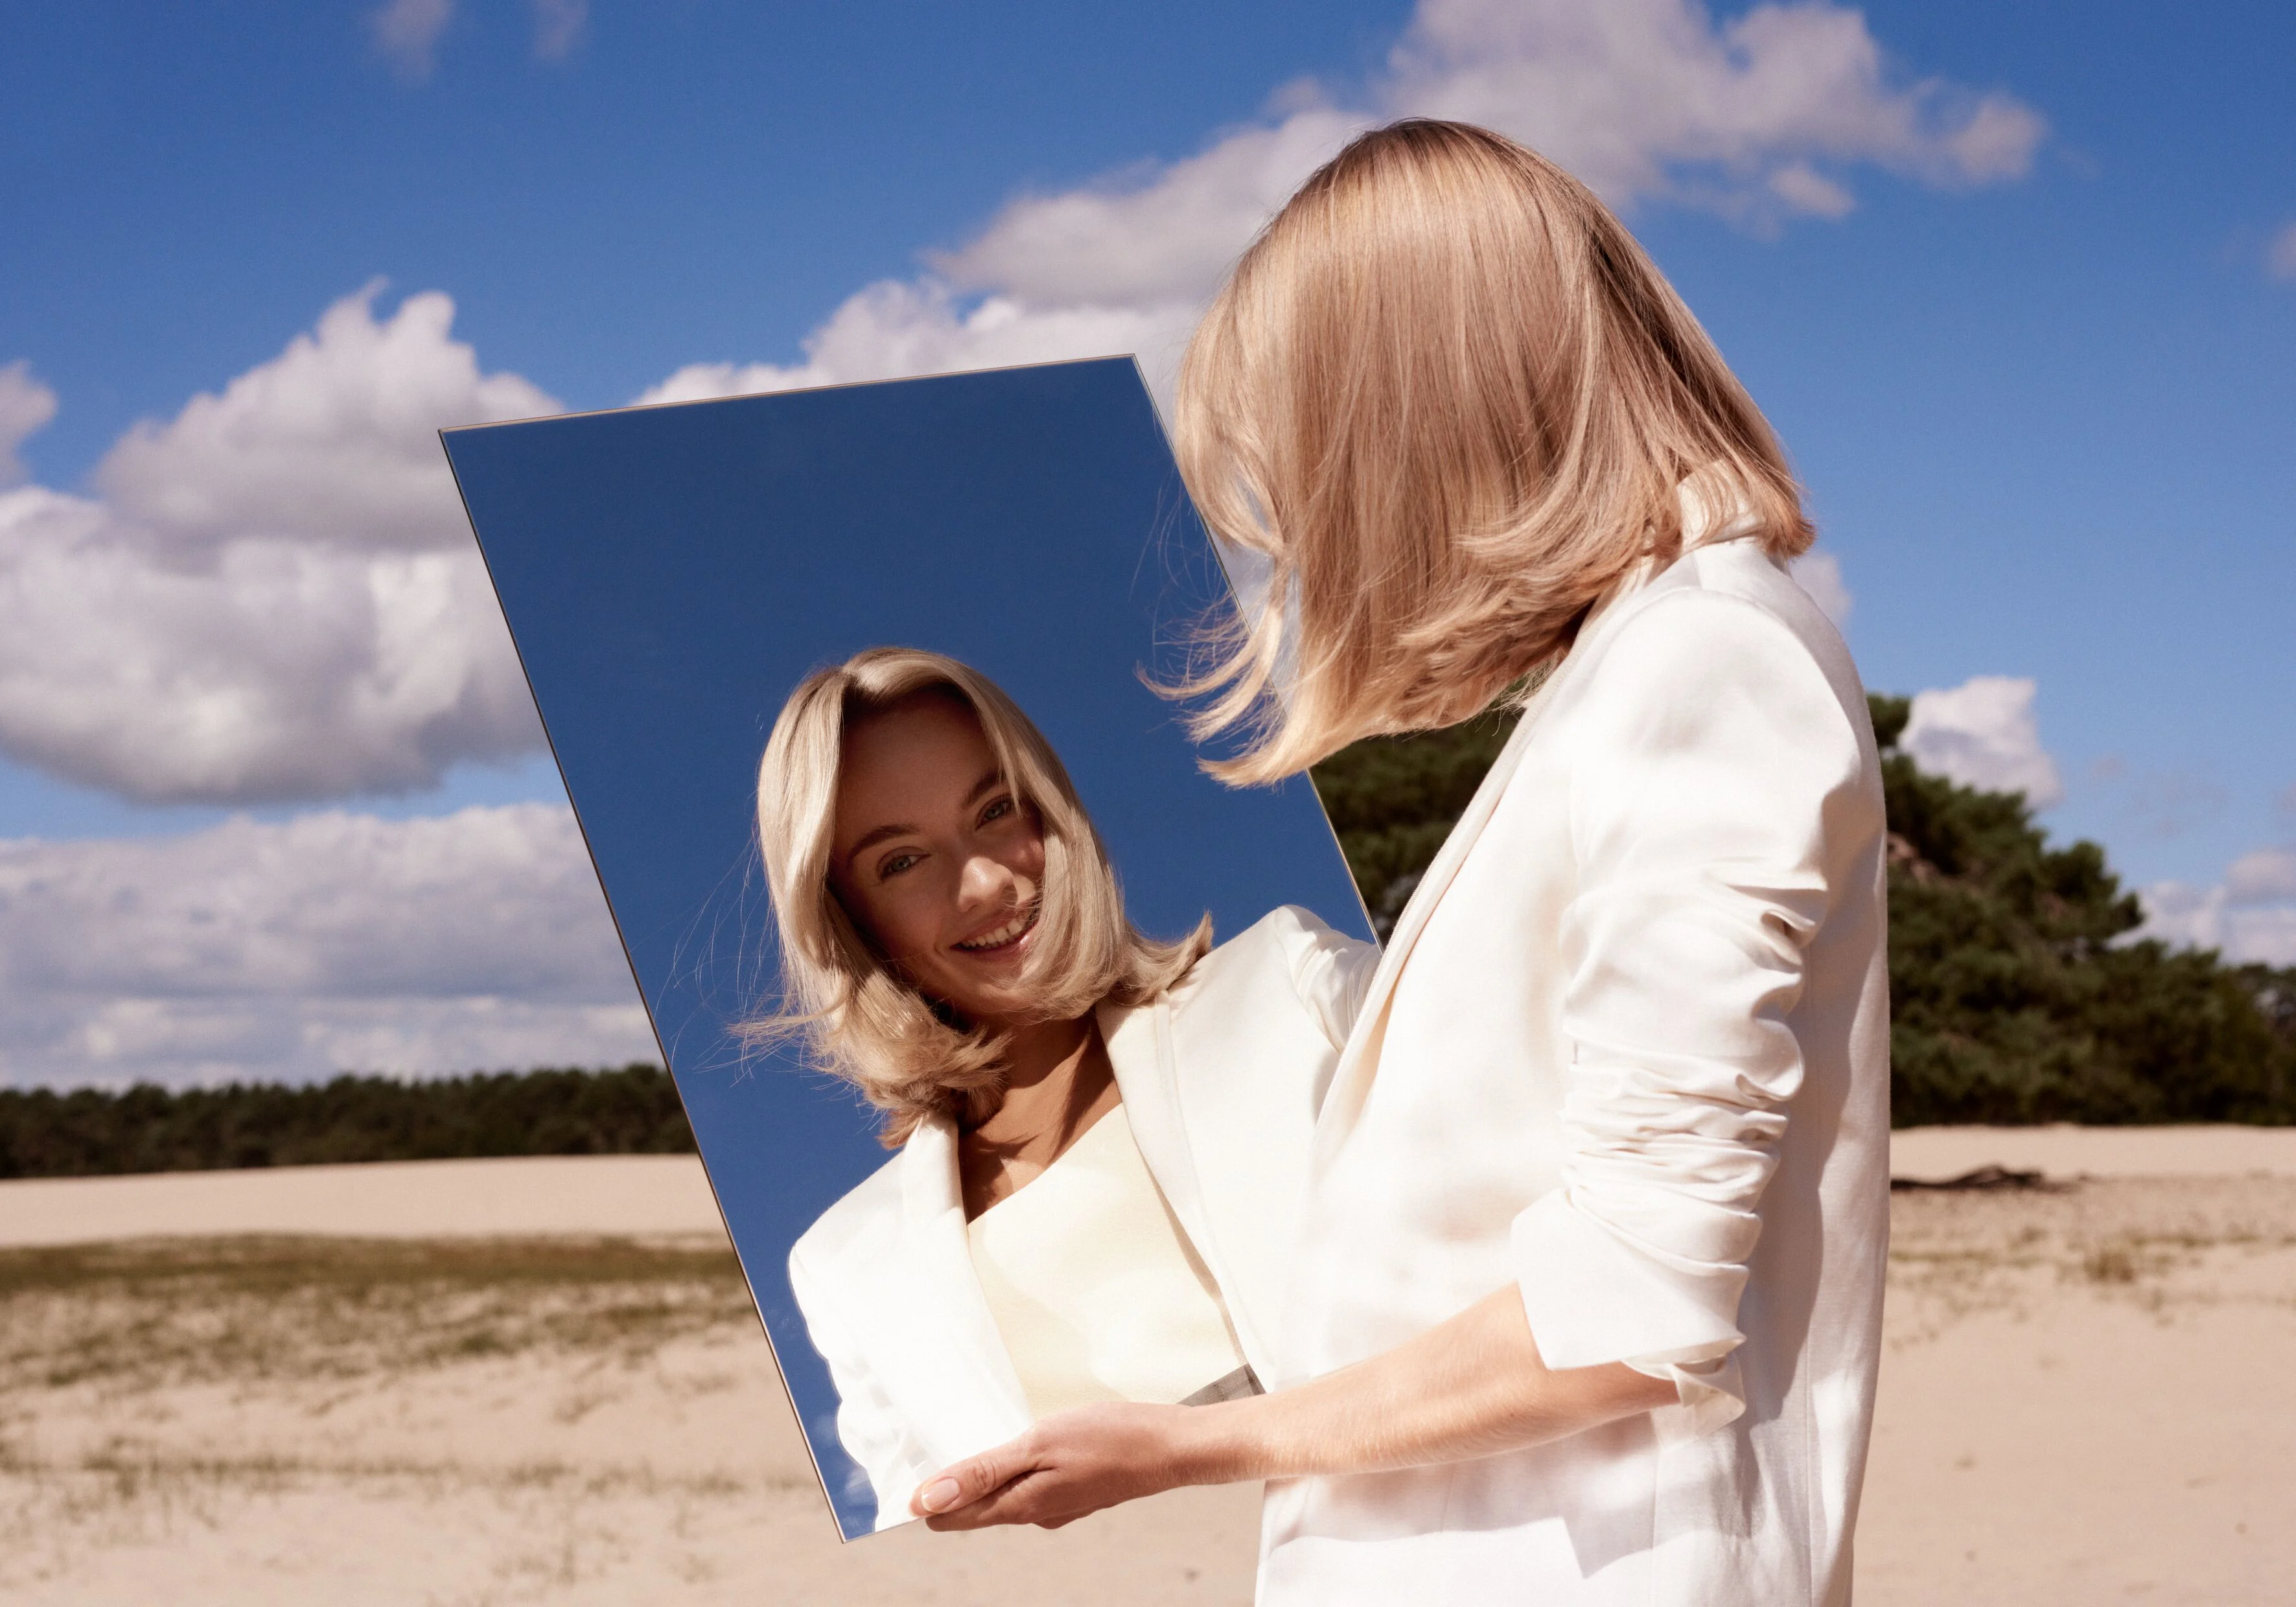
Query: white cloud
point(2280, 256)
point(2266, 876)
point(558, 26)
point(26, 406)
point(275, 595)
point(1654, 97)
point(892, 330)
point(334, 941)
point(1820, 574)
point(1982, 733)
point(334, 443)
point(1758, 118)
point(2250, 916)
point(406, 32)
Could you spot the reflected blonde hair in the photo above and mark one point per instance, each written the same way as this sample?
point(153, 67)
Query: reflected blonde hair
point(909, 1056)
point(1449, 397)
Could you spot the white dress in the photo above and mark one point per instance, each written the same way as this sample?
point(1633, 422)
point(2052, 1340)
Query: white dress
point(1627, 1052)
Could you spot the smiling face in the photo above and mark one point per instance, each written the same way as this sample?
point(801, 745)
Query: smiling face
point(936, 857)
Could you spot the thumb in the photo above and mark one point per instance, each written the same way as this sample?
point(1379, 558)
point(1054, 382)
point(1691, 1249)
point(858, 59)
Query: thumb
point(961, 1483)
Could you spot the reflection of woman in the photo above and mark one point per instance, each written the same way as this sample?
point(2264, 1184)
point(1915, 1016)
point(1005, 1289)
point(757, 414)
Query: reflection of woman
point(1101, 1138)
point(1590, 1291)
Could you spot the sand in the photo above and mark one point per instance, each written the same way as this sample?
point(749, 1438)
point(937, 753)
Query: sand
point(641, 1195)
point(395, 1386)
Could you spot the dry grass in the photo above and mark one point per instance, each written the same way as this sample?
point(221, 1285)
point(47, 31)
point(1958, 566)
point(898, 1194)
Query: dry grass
point(2164, 1246)
point(157, 1312)
point(153, 1393)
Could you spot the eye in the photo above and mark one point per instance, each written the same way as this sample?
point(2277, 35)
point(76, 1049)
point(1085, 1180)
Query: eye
point(895, 864)
point(998, 809)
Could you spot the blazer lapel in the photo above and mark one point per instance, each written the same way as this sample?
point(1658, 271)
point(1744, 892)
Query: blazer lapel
point(1139, 1043)
point(1359, 1062)
point(953, 1357)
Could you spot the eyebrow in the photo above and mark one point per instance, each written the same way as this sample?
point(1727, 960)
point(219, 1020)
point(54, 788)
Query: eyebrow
point(986, 784)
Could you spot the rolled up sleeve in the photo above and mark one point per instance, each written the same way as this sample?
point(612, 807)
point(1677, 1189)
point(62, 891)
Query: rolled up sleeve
point(1716, 764)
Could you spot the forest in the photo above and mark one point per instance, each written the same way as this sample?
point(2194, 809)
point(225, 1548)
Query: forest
point(2016, 995)
point(88, 1131)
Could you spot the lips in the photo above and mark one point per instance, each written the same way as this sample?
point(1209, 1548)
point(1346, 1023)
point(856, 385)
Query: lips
point(1021, 924)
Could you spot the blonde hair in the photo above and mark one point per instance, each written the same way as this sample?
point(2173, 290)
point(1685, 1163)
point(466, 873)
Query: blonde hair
point(1452, 400)
point(907, 1054)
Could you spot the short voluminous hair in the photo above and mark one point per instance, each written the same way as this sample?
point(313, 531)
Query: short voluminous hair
point(907, 1054)
point(1449, 397)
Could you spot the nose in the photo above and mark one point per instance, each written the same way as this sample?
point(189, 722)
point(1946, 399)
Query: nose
point(985, 883)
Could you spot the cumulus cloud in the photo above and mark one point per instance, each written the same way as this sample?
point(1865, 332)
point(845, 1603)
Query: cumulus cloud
point(334, 443)
point(892, 330)
point(1759, 117)
point(2250, 916)
point(26, 406)
point(406, 32)
point(1820, 573)
point(1657, 97)
point(2280, 256)
point(273, 595)
point(335, 941)
point(1982, 733)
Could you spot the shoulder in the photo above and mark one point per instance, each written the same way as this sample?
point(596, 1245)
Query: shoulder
point(1286, 944)
point(858, 1229)
point(1726, 641)
point(1288, 955)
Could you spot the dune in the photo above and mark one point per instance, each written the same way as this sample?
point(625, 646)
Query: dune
point(540, 1380)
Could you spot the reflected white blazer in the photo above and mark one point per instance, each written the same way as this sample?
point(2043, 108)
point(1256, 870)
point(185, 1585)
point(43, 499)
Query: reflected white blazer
point(1220, 1080)
point(1628, 1051)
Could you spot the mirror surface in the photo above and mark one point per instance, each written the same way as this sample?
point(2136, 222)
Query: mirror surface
point(670, 574)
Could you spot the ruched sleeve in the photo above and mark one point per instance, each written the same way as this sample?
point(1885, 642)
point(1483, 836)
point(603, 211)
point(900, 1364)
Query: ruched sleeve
point(1715, 798)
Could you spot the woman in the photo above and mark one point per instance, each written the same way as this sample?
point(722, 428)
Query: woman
point(1590, 1290)
point(1103, 1139)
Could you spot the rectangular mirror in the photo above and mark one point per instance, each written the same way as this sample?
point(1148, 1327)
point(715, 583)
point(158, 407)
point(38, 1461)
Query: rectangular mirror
point(670, 575)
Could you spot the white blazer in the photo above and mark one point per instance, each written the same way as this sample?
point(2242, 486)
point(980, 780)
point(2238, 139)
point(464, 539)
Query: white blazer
point(1628, 1051)
point(1220, 1080)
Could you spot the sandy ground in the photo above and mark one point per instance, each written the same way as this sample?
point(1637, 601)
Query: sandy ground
point(2084, 1397)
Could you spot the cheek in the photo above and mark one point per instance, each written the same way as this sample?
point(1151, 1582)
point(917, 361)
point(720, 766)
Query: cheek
point(887, 920)
point(1028, 859)
point(908, 930)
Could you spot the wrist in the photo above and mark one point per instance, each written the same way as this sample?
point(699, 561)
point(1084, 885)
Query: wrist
point(1220, 1443)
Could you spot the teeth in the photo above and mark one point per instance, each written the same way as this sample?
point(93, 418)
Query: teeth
point(1004, 934)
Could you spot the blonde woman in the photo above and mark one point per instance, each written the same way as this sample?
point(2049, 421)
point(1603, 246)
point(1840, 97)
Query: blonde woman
point(1102, 1140)
point(1590, 1289)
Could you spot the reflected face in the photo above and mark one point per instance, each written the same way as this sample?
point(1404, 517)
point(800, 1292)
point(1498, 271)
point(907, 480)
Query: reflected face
point(936, 857)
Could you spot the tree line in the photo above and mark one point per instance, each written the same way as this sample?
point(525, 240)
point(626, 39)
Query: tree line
point(2015, 996)
point(88, 1131)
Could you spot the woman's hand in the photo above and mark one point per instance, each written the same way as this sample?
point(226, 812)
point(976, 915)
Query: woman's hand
point(1067, 1466)
point(1469, 1387)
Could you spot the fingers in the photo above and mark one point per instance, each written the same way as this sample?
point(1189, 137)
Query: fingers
point(1023, 1501)
point(968, 1482)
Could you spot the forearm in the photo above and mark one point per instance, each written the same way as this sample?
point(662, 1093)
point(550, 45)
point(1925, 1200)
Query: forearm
point(1470, 1386)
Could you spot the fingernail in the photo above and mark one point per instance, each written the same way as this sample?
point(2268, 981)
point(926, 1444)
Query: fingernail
point(940, 1494)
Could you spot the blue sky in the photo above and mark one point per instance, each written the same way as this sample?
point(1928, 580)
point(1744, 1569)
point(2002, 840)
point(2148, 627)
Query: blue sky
point(2017, 286)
